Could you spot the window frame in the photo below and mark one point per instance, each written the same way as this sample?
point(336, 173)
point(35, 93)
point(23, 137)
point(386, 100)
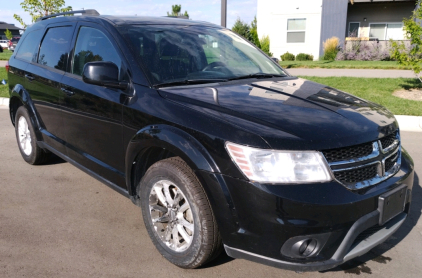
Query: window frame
point(354, 22)
point(125, 66)
point(385, 29)
point(295, 31)
point(45, 31)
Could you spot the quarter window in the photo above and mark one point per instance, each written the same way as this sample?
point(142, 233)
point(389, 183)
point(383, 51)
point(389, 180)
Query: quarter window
point(54, 49)
point(27, 49)
point(93, 45)
point(296, 30)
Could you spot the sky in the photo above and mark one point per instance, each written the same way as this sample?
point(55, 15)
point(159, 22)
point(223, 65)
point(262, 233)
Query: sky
point(204, 10)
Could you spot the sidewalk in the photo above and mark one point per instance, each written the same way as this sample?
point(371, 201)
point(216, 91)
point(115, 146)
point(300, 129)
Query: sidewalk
point(368, 73)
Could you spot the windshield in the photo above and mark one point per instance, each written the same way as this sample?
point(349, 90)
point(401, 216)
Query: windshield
point(188, 53)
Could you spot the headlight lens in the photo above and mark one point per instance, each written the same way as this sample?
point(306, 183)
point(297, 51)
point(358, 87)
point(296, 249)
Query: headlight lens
point(271, 166)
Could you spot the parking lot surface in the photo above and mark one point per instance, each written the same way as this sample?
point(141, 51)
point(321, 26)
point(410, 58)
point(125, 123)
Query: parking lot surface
point(56, 221)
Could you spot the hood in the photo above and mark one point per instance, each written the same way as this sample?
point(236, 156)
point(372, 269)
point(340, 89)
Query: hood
point(291, 110)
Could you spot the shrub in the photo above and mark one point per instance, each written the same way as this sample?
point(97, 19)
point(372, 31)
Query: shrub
point(265, 45)
point(287, 57)
point(331, 48)
point(304, 57)
point(364, 51)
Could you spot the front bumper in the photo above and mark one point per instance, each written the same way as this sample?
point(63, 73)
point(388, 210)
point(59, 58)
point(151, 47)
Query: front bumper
point(268, 216)
point(349, 248)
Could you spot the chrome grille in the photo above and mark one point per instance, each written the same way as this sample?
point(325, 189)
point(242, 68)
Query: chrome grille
point(389, 162)
point(367, 164)
point(348, 153)
point(387, 141)
point(357, 175)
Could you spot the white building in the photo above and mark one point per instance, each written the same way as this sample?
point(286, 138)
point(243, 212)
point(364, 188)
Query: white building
point(301, 26)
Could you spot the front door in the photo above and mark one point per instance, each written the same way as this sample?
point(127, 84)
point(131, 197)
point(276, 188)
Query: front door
point(93, 114)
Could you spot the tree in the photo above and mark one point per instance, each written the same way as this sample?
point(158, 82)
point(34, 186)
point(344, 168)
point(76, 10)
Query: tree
point(39, 8)
point(254, 33)
point(8, 34)
point(265, 45)
point(175, 11)
point(243, 29)
point(410, 56)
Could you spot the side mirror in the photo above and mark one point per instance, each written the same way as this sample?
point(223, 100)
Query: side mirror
point(103, 74)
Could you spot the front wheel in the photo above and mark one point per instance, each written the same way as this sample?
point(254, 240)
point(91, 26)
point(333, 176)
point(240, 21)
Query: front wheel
point(177, 214)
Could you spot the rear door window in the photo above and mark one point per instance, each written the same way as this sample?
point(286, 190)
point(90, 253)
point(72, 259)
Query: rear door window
point(54, 49)
point(29, 45)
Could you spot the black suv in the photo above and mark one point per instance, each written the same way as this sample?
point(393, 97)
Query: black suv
point(219, 146)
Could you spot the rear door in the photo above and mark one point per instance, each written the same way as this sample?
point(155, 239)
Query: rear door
point(93, 114)
point(44, 75)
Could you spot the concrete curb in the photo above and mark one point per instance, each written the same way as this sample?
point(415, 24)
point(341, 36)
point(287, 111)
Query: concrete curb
point(4, 101)
point(406, 123)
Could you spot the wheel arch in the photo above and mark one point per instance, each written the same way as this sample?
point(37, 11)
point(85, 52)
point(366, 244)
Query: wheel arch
point(157, 142)
point(19, 96)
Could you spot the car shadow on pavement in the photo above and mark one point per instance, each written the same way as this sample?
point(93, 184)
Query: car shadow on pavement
point(221, 259)
point(53, 160)
point(358, 265)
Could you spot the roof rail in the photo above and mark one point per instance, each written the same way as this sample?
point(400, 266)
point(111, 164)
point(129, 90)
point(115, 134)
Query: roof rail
point(86, 12)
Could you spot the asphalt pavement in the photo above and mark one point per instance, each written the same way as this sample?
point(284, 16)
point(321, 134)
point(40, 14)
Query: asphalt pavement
point(56, 221)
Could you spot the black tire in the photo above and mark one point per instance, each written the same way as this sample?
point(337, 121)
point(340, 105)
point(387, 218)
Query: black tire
point(36, 155)
point(205, 243)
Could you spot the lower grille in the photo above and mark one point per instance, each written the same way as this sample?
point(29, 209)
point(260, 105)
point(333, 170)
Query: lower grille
point(357, 175)
point(367, 233)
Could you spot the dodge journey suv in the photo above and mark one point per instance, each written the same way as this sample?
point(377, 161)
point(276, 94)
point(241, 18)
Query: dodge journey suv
point(219, 146)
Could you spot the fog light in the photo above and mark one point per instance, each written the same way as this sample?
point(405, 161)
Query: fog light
point(307, 247)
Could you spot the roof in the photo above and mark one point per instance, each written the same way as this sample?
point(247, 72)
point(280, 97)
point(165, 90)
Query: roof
point(4, 26)
point(150, 20)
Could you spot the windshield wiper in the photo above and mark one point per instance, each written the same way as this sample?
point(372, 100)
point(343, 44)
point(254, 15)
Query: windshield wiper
point(257, 75)
point(189, 82)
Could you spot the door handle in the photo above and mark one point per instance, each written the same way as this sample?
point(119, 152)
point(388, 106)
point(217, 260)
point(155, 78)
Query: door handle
point(67, 92)
point(29, 77)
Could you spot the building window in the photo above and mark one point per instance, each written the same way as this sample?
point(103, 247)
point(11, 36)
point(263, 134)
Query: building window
point(296, 28)
point(354, 29)
point(386, 31)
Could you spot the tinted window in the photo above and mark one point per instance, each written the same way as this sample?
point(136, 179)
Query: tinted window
point(93, 45)
point(29, 45)
point(177, 53)
point(55, 47)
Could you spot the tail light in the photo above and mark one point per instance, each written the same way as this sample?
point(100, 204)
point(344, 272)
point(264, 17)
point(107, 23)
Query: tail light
point(10, 43)
point(7, 66)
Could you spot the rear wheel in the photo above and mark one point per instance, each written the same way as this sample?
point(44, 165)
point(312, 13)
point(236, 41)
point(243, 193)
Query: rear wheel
point(177, 214)
point(25, 136)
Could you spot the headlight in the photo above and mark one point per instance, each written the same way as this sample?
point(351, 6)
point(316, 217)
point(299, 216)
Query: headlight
point(272, 166)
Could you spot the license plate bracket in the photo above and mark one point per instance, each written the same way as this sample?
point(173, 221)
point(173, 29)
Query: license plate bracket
point(392, 203)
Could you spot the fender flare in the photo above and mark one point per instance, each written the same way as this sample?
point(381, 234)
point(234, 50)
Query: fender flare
point(21, 94)
point(172, 139)
point(182, 144)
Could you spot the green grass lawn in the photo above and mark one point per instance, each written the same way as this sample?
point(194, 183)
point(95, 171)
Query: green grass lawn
point(343, 64)
point(5, 55)
point(378, 90)
point(4, 89)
